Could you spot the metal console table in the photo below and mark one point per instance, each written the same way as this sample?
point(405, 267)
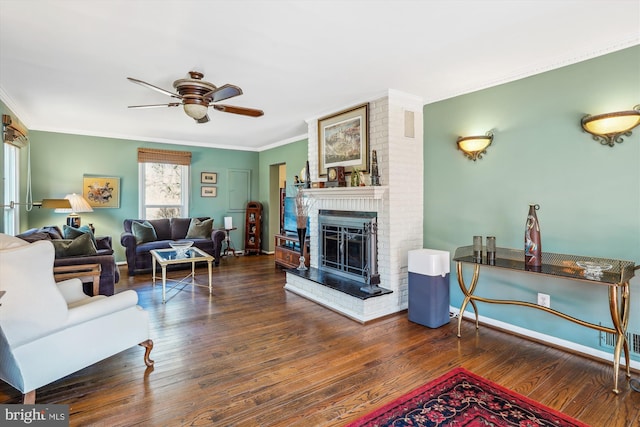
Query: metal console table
point(561, 266)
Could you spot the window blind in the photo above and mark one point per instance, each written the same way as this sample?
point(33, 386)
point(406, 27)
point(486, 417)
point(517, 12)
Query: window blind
point(151, 155)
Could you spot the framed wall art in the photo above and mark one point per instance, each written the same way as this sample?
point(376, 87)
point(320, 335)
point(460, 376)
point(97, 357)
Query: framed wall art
point(343, 140)
point(208, 178)
point(101, 191)
point(208, 191)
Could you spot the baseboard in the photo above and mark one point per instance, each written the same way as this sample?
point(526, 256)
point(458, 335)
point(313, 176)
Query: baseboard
point(546, 339)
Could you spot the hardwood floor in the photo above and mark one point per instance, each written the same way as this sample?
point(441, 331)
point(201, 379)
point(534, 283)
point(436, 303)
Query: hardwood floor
point(253, 354)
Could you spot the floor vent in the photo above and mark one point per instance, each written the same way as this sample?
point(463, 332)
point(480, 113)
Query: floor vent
point(608, 340)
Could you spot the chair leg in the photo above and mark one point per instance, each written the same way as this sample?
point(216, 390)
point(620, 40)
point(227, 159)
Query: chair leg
point(29, 398)
point(148, 345)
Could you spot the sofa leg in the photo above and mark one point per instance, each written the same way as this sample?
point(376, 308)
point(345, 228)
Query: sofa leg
point(148, 346)
point(29, 398)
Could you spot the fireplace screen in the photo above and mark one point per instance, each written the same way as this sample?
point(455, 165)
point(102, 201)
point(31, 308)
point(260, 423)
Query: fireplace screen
point(344, 242)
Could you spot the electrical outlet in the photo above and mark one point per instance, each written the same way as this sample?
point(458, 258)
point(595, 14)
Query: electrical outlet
point(544, 300)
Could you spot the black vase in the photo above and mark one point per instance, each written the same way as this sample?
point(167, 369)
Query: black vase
point(302, 234)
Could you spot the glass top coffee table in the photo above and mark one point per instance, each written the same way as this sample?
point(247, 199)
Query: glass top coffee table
point(166, 257)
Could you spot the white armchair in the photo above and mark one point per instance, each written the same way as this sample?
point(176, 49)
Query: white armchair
point(49, 330)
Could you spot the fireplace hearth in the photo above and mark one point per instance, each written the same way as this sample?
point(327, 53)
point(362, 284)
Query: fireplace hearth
point(339, 283)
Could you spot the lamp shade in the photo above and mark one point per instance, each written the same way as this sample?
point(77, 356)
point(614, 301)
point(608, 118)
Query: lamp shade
point(609, 128)
point(474, 146)
point(78, 204)
point(55, 203)
point(228, 222)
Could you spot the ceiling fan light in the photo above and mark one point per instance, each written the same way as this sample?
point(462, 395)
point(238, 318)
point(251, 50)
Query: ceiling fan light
point(195, 111)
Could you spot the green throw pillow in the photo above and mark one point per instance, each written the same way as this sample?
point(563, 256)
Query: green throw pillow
point(200, 229)
point(82, 245)
point(69, 232)
point(143, 232)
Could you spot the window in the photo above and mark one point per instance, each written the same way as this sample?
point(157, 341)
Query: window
point(164, 183)
point(11, 186)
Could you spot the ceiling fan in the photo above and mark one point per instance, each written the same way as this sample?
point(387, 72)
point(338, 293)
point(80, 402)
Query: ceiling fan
point(197, 95)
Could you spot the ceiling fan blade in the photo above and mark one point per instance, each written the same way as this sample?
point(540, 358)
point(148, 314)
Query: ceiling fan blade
point(239, 110)
point(156, 88)
point(205, 119)
point(223, 92)
point(171, 104)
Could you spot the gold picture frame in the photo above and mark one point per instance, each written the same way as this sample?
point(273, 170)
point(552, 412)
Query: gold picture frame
point(343, 140)
point(101, 191)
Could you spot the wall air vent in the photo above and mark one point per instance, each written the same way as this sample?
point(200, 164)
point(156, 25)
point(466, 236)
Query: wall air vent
point(608, 340)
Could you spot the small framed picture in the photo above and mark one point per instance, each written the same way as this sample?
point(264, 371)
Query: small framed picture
point(208, 178)
point(208, 191)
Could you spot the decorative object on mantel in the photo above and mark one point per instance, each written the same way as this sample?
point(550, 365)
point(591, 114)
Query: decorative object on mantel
point(375, 176)
point(336, 177)
point(475, 146)
point(302, 216)
point(609, 128)
point(532, 243)
point(307, 176)
point(343, 140)
point(355, 178)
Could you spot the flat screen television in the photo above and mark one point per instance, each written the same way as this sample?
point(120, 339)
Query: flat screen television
point(290, 223)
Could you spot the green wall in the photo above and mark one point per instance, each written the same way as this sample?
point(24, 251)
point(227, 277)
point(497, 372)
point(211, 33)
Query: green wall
point(294, 155)
point(59, 161)
point(589, 194)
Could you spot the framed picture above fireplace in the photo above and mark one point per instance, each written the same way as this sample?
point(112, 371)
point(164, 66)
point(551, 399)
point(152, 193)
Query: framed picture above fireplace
point(343, 140)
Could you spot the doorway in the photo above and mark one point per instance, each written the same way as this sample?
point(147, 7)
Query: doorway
point(277, 182)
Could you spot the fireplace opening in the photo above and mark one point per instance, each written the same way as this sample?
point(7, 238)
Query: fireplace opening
point(348, 244)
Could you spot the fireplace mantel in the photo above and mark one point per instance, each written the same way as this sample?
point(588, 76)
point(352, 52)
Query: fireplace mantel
point(368, 192)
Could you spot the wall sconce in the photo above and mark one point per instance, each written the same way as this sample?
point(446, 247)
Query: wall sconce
point(475, 146)
point(12, 133)
point(611, 127)
point(77, 203)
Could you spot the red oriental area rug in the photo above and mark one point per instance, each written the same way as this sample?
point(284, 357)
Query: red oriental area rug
point(461, 398)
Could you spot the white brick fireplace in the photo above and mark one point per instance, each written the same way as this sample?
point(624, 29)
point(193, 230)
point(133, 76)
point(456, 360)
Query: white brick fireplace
point(395, 132)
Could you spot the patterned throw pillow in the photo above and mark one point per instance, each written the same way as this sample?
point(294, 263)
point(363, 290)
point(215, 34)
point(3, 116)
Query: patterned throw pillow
point(200, 229)
point(72, 233)
point(143, 232)
point(82, 245)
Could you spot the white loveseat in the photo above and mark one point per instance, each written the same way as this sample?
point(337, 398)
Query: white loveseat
point(49, 330)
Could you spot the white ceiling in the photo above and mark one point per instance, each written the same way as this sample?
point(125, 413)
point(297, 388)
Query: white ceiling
point(64, 63)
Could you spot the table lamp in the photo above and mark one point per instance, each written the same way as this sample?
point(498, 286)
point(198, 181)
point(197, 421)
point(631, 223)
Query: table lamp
point(228, 223)
point(78, 204)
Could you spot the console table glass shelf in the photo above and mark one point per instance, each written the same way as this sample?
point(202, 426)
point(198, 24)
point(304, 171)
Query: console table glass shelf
point(562, 266)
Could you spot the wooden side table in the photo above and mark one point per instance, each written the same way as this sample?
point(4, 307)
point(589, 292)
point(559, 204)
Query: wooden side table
point(81, 271)
point(229, 243)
